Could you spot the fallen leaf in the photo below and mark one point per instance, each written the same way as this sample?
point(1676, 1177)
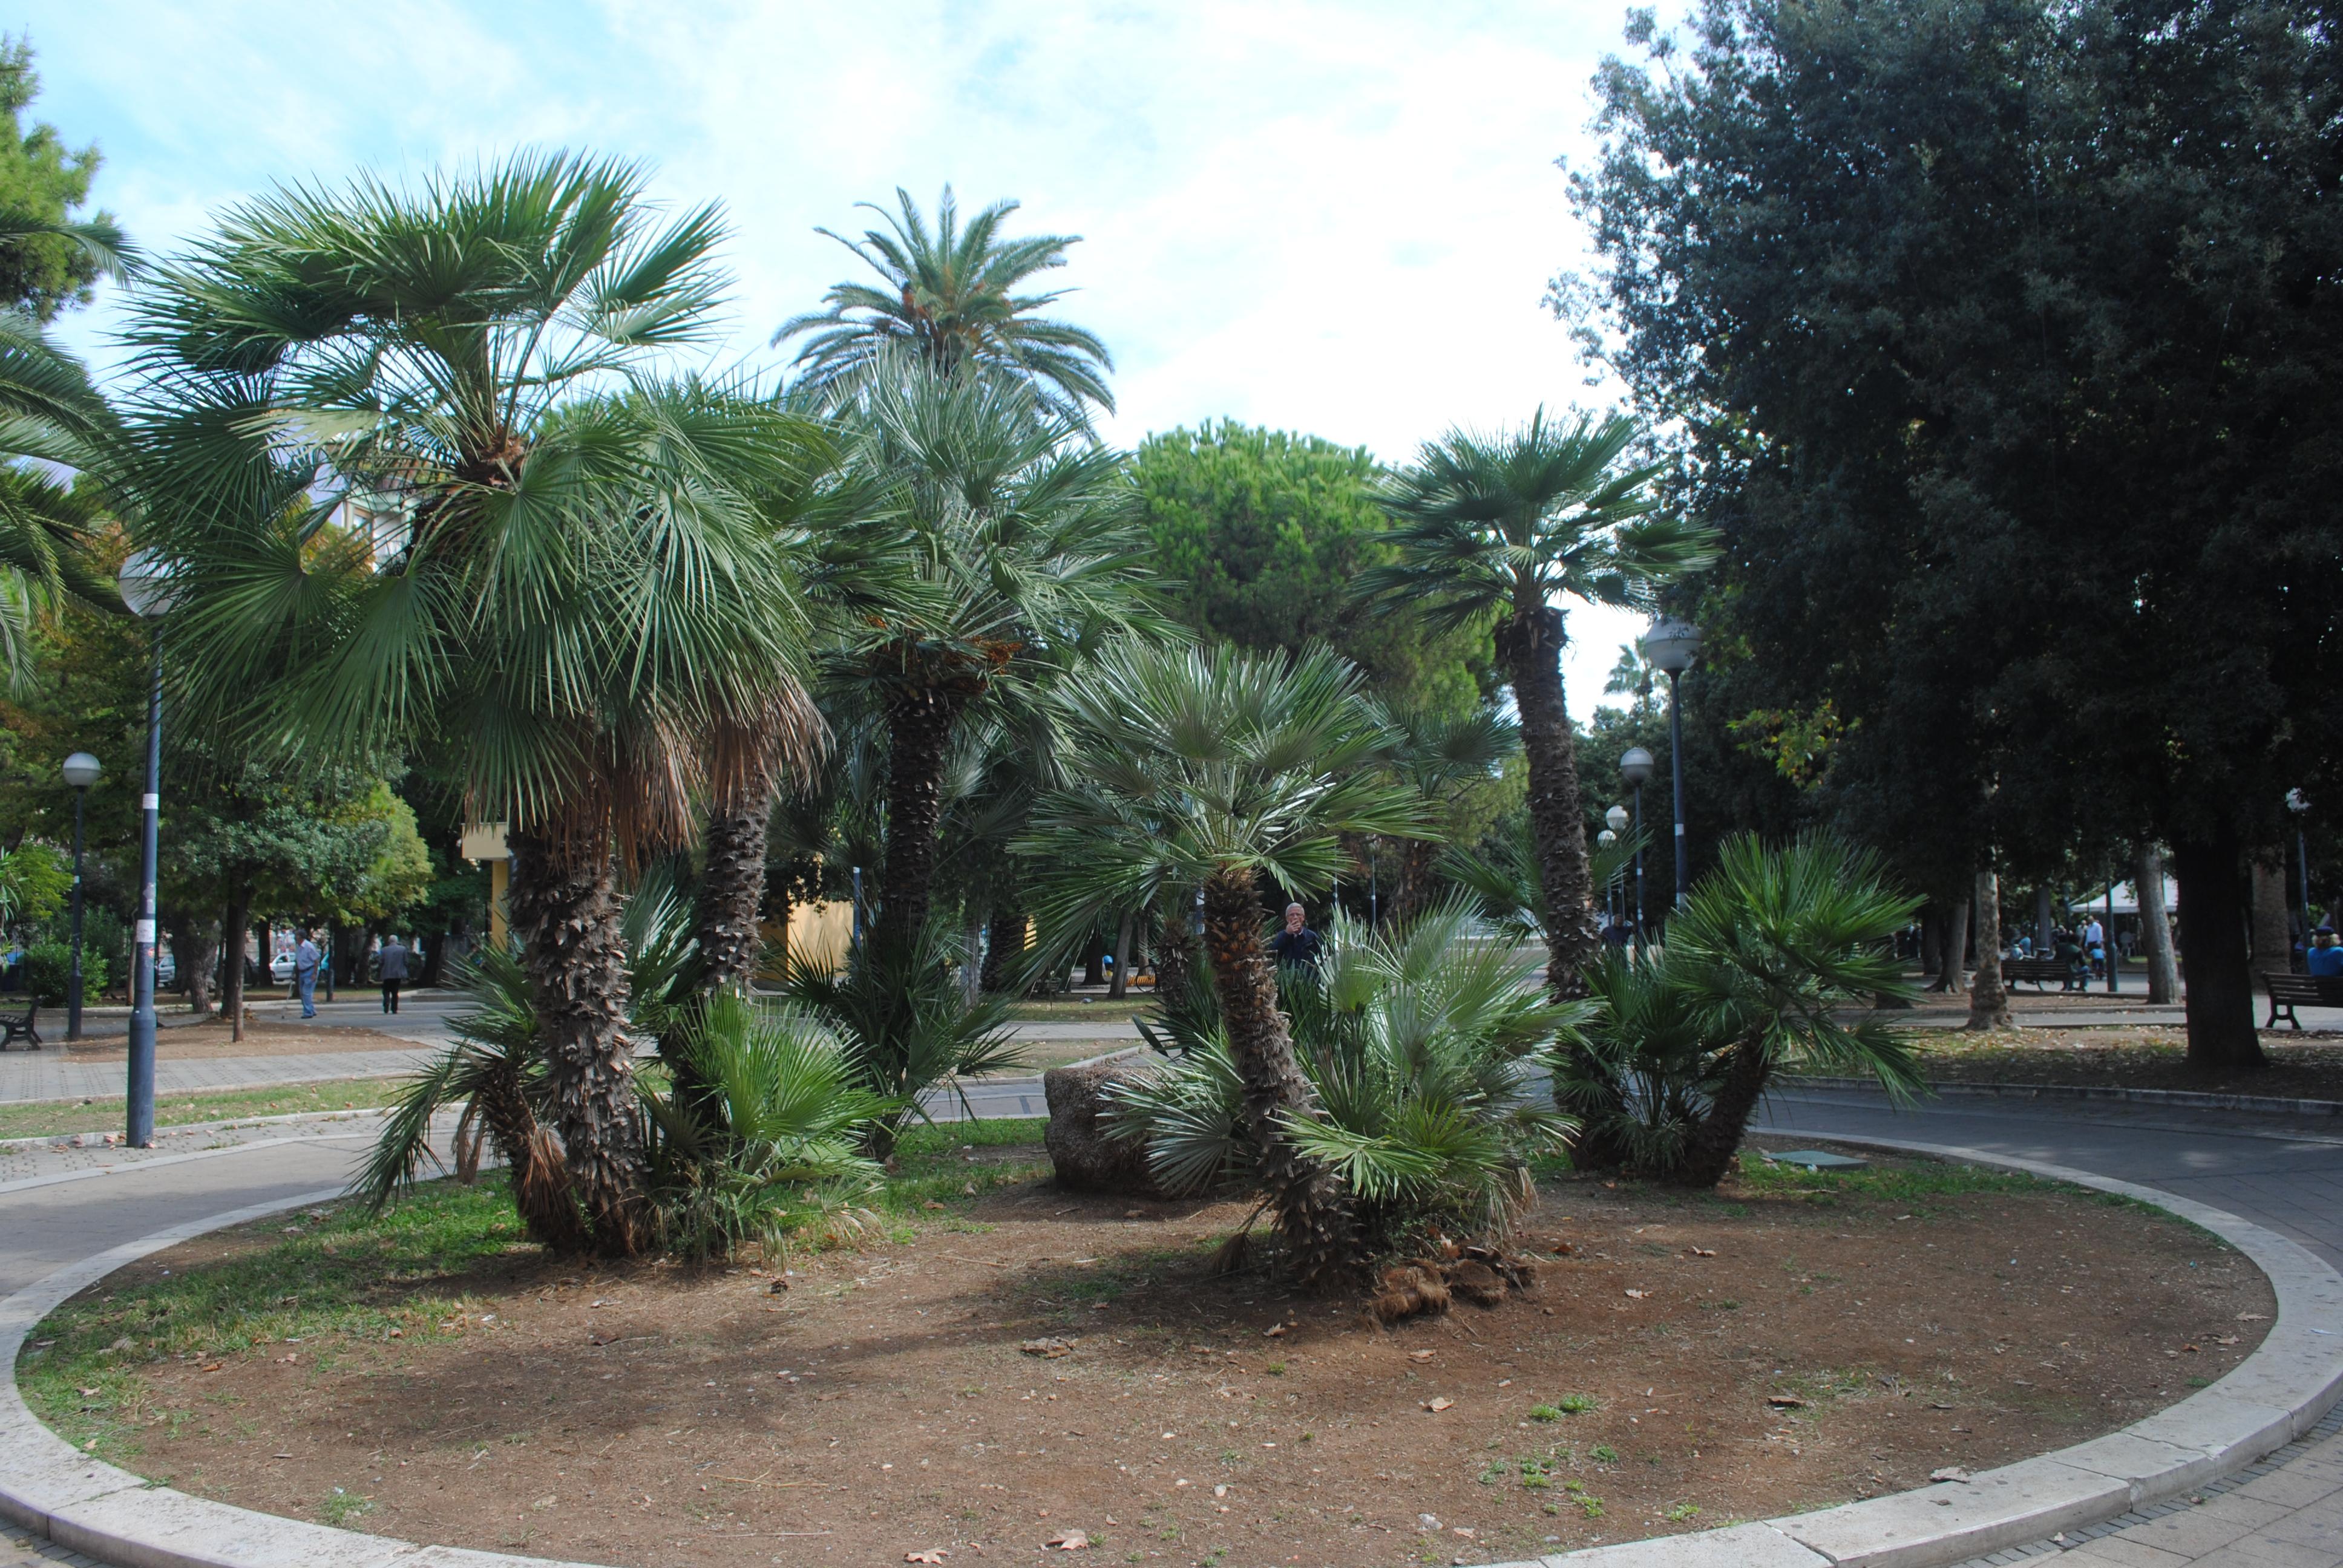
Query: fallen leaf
point(1634, 1295)
point(212, 1366)
point(1050, 1349)
point(1950, 1473)
point(1703, 1251)
point(938, 1555)
point(1419, 1355)
point(2191, 1349)
point(1785, 1402)
point(2225, 1338)
point(2253, 1317)
point(1068, 1541)
point(1274, 1331)
point(1436, 1405)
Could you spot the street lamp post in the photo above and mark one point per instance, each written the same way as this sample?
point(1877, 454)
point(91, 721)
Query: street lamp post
point(1634, 766)
point(147, 589)
point(81, 771)
point(1604, 840)
point(1616, 820)
point(2300, 805)
point(1672, 645)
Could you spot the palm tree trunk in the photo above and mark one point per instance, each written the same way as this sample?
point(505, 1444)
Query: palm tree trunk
point(731, 887)
point(1004, 948)
point(2221, 1035)
point(1312, 1209)
point(1121, 985)
point(919, 730)
point(236, 930)
point(1716, 1137)
point(1530, 646)
point(2273, 939)
point(565, 910)
point(1988, 998)
point(2156, 928)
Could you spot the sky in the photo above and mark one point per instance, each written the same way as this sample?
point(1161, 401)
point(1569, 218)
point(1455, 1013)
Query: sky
point(1334, 218)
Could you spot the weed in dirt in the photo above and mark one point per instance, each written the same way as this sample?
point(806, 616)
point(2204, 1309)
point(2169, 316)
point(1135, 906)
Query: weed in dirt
point(1682, 1511)
point(340, 1507)
point(1603, 1453)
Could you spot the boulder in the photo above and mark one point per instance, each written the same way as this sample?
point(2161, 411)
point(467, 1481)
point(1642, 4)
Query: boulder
point(1088, 1160)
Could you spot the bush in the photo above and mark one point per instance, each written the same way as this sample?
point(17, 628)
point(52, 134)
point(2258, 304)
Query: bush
point(48, 971)
point(1418, 1047)
point(1679, 1047)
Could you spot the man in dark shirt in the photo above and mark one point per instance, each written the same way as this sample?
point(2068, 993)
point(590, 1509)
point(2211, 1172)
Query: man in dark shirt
point(393, 971)
point(1297, 943)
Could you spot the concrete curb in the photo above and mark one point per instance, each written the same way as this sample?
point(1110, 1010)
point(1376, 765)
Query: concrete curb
point(2274, 1396)
point(2189, 1098)
point(54, 1490)
point(186, 1128)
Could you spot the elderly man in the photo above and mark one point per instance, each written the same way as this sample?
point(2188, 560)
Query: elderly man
point(1297, 943)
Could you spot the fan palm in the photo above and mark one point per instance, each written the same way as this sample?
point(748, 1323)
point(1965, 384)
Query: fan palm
point(554, 566)
point(1004, 543)
point(1500, 527)
point(1773, 944)
point(1189, 768)
point(950, 298)
point(1437, 754)
point(50, 413)
point(1419, 1043)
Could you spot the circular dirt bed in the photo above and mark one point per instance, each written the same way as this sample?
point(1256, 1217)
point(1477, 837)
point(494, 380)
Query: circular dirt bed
point(1033, 1363)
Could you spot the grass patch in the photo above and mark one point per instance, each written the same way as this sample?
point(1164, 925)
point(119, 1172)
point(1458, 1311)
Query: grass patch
point(1079, 1009)
point(350, 1273)
point(1568, 1405)
point(55, 1119)
point(1894, 1183)
point(938, 1165)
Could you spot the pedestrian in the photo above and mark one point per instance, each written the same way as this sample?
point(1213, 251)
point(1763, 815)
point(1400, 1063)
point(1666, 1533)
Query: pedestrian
point(2325, 959)
point(305, 975)
point(2070, 951)
point(1618, 933)
point(1297, 944)
point(2095, 945)
point(393, 971)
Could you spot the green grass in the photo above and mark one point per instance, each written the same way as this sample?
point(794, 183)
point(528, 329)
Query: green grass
point(57, 1118)
point(1894, 1182)
point(1568, 1405)
point(930, 1170)
point(1075, 1010)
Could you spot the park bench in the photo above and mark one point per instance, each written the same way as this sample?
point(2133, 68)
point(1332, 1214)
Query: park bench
point(21, 1024)
point(2038, 973)
point(2288, 992)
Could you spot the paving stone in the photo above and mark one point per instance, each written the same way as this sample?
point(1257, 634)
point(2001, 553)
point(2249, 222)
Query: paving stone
point(1742, 1546)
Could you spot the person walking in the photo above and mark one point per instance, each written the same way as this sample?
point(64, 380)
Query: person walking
point(393, 971)
point(305, 975)
point(2094, 946)
point(1297, 944)
point(2325, 959)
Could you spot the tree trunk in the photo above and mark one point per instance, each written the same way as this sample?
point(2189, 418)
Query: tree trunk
point(565, 911)
point(919, 730)
point(1094, 959)
point(2156, 928)
point(1121, 985)
point(2044, 923)
point(971, 959)
point(731, 886)
point(2273, 933)
point(435, 957)
point(1952, 949)
point(1932, 940)
point(236, 930)
point(2222, 1036)
point(1531, 647)
point(1716, 1137)
point(1988, 998)
point(1312, 1209)
point(196, 946)
point(1004, 951)
point(1175, 954)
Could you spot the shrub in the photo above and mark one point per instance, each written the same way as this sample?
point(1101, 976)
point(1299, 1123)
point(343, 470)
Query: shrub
point(48, 972)
point(1418, 1047)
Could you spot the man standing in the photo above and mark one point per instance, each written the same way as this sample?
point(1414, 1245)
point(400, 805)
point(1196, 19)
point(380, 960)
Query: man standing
point(305, 975)
point(2325, 960)
point(1297, 944)
point(2095, 945)
point(393, 960)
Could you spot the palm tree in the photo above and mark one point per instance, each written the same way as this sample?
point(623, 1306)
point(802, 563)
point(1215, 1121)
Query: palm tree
point(1213, 768)
point(1500, 527)
point(1631, 676)
point(555, 568)
point(1005, 543)
point(950, 299)
point(1437, 754)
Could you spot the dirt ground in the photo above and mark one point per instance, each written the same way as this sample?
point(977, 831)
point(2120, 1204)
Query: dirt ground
point(2305, 1066)
point(185, 1041)
point(1691, 1362)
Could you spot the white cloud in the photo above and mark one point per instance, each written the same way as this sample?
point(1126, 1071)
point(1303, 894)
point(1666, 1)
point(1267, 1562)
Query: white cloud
point(1332, 218)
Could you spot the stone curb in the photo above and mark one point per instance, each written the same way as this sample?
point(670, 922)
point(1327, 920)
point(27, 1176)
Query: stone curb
point(56, 1491)
point(2272, 1397)
point(2190, 1098)
point(184, 1128)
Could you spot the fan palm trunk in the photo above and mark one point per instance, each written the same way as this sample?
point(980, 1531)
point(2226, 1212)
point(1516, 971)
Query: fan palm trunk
point(1314, 1210)
point(731, 890)
point(918, 731)
point(565, 910)
point(1715, 1137)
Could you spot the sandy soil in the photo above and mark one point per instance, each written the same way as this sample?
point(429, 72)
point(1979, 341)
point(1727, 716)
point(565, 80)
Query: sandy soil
point(1721, 1359)
point(2306, 1066)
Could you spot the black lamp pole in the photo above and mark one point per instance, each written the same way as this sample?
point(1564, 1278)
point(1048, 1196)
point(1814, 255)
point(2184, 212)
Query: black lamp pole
point(81, 772)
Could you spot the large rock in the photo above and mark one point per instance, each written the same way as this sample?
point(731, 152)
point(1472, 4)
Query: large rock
point(1087, 1159)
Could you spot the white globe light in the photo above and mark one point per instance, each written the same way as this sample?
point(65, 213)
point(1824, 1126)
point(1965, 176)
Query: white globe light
point(1617, 818)
point(81, 769)
point(1634, 764)
point(1671, 645)
point(146, 585)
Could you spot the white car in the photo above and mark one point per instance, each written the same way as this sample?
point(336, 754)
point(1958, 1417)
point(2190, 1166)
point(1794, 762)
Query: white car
point(280, 968)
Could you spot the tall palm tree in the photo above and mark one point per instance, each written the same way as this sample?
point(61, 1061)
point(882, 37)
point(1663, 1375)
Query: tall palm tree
point(52, 415)
point(562, 573)
point(1006, 542)
point(950, 298)
point(1501, 527)
point(1212, 769)
point(1631, 676)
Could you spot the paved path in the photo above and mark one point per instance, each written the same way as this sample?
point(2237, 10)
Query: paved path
point(2283, 1172)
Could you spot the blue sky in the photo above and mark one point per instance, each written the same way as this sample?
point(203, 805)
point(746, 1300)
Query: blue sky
point(1336, 218)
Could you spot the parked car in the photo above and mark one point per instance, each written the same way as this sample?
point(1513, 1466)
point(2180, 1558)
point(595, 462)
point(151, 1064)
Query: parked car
point(280, 968)
point(166, 971)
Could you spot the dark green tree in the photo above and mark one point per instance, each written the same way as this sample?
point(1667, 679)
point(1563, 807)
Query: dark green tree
point(48, 258)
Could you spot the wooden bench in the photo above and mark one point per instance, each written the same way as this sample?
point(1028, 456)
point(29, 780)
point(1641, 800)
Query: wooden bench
point(2288, 992)
point(13, 1027)
point(2037, 972)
